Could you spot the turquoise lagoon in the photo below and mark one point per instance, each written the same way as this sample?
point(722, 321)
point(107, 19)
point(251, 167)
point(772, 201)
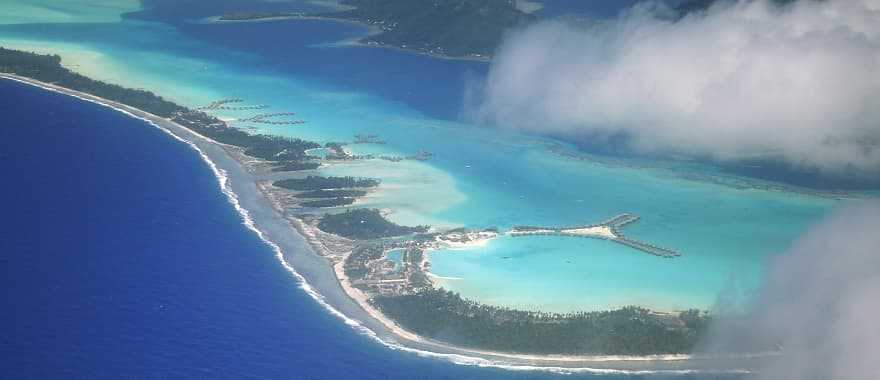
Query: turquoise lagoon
point(479, 177)
point(65, 11)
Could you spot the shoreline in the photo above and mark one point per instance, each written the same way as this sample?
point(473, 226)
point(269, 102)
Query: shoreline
point(320, 280)
point(372, 30)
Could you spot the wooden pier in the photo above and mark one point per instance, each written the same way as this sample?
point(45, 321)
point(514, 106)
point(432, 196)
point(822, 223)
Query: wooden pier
point(265, 118)
point(223, 105)
point(607, 230)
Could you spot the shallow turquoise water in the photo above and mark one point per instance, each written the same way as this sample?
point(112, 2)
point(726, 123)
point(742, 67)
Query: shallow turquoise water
point(65, 11)
point(478, 177)
point(396, 256)
point(724, 235)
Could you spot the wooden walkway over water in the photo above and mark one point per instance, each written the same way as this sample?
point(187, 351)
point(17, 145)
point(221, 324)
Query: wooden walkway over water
point(263, 118)
point(267, 118)
point(609, 229)
point(223, 104)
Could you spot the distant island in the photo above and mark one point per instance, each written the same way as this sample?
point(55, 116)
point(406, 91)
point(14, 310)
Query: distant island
point(445, 28)
point(454, 28)
point(357, 242)
point(462, 29)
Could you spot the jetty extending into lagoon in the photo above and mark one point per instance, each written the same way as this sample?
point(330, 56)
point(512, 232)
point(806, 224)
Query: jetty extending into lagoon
point(223, 104)
point(606, 230)
point(264, 118)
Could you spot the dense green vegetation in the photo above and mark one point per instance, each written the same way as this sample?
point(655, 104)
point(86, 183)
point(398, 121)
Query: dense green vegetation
point(285, 150)
point(456, 28)
point(356, 263)
point(364, 224)
point(331, 194)
point(443, 315)
point(326, 183)
point(48, 68)
point(329, 202)
point(288, 152)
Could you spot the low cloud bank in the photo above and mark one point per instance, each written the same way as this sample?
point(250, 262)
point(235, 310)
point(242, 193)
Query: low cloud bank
point(819, 304)
point(743, 80)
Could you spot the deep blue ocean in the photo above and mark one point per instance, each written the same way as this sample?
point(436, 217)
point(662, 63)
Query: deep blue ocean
point(122, 259)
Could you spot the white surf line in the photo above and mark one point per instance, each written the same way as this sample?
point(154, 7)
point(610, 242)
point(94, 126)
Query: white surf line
point(358, 326)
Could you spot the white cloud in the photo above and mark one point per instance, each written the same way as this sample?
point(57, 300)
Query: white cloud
point(743, 80)
point(820, 303)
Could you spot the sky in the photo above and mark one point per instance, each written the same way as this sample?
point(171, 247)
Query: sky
point(744, 80)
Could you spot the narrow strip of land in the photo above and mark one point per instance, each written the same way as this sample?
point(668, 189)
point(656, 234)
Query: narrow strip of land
point(607, 230)
point(240, 161)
